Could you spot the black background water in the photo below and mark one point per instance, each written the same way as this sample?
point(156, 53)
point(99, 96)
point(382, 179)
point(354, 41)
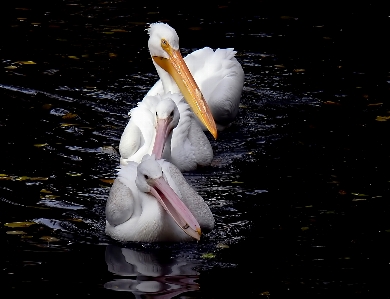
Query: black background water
point(299, 185)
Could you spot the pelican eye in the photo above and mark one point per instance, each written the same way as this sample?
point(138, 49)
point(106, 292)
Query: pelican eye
point(171, 115)
point(146, 177)
point(164, 43)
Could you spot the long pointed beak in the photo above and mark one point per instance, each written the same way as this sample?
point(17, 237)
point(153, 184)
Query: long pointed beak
point(176, 208)
point(161, 137)
point(177, 68)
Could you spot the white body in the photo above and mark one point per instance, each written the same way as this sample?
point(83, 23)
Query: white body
point(133, 215)
point(187, 147)
point(220, 78)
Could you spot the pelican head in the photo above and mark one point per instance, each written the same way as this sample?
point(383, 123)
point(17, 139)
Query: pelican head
point(167, 118)
point(164, 48)
point(160, 36)
point(150, 179)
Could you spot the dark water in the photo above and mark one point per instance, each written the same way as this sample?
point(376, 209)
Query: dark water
point(299, 185)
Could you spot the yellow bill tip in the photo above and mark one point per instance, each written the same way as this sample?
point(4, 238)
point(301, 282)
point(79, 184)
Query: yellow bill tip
point(214, 133)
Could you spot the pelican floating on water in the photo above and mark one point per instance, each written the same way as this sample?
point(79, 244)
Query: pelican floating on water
point(152, 202)
point(165, 126)
point(215, 74)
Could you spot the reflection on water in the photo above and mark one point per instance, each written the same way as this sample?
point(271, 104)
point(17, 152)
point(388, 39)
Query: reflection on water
point(156, 274)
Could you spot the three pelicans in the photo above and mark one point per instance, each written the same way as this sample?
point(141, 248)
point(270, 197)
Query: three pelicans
point(150, 201)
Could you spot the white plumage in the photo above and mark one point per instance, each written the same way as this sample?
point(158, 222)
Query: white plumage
point(218, 74)
point(182, 142)
point(146, 204)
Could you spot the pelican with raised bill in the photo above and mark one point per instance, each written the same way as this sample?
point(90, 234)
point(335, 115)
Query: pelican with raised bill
point(165, 126)
point(152, 202)
point(211, 81)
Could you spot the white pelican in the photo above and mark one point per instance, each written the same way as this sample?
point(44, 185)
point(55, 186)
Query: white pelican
point(165, 126)
point(218, 74)
point(152, 202)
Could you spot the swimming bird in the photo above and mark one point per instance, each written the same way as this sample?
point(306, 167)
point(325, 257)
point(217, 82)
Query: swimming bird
point(152, 202)
point(215, 74)
point(165, 126)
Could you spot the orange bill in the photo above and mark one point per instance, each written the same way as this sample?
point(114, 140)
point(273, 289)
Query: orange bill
point(177, 68)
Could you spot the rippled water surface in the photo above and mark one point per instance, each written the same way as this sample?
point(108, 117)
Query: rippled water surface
point(299, 185)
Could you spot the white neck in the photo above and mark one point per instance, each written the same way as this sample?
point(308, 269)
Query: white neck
point(168, 83)
point(155, 224)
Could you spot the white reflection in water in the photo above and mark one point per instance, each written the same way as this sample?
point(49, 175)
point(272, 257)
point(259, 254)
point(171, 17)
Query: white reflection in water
point(155, 274)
